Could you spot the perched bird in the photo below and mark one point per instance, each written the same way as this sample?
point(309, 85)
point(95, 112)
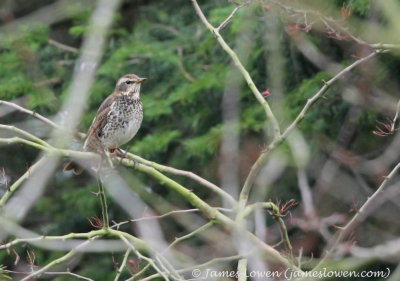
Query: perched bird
point(117, 120)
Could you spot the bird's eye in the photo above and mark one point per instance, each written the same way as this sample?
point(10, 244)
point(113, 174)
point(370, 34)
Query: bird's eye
point(129, 82)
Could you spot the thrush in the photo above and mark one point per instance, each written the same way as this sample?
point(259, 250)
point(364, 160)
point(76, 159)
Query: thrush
point(117, 121)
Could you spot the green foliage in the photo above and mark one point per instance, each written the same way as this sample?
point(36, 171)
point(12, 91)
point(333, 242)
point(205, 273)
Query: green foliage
point(3, 276)
point(182, 124)
point(205, 145)
point(20, 70)
point(361, 7)
point(155, 142)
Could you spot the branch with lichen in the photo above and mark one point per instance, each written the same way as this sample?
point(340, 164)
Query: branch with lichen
point(171, 170)
point(210, 212)
point(161, 168)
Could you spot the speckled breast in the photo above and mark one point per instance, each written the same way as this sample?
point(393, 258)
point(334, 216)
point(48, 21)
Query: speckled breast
point(123, 122)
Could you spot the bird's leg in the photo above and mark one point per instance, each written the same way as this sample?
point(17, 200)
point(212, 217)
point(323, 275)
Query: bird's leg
point(123, 155)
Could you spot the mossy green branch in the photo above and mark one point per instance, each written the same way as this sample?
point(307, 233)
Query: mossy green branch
point(167, 169)
point(211, 213)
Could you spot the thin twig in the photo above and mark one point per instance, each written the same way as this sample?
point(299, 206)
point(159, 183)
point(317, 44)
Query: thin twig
point(359, 216)
point(25, 134)
point(63, 46)
point(207, 210)
point(162, 168)
point(52, 273)
point(69, 273)
point(200, 266)
point(182, 68)
point(242, 267)
point(262, 159)
point(32, 113)
point(325, 88)
point(149, 260)
point(178, 172)
point(56, 261)
point(242, 69)
point(103, 201)
point(48, 82)
point(18, 182)
point(169, 267)
point(229, 18)
point(116, 225)
point(396, 116)
point(305, 192)
point(86, 235)
point(121, 268)
point(275, 212)
point(14, 140)
point(189, 235)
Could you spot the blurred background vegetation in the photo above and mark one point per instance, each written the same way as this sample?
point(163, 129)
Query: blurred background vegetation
point(186, 71)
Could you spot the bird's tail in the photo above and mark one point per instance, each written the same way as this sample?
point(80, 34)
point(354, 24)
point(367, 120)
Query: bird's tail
point(74, 167)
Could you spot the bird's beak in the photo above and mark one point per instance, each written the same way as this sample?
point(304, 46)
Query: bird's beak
point(141, 80)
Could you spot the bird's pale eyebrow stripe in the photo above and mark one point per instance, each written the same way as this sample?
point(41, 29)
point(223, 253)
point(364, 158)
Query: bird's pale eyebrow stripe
point(123, 80)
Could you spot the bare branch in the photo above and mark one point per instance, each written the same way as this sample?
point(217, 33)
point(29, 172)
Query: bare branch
point(161, 168)
point(63, 46)
point(239, 65)
point(361, 214)
point(262, 159)
point(116, 225)
point(56, 261)
point(323, 90)
point(123, 237)
point(191, 234)
point(204, 265)
point(207, 210)
point(123, 263)
point(178, 172)
point(229, 18)
point(396, 116)
point(18, 182)
point(32, 113)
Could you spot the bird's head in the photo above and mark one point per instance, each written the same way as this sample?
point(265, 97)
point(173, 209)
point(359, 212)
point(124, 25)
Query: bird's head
point(129, 84)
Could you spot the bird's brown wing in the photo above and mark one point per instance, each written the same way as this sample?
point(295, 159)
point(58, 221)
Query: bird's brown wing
point(107, 102)
point(98, 124)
